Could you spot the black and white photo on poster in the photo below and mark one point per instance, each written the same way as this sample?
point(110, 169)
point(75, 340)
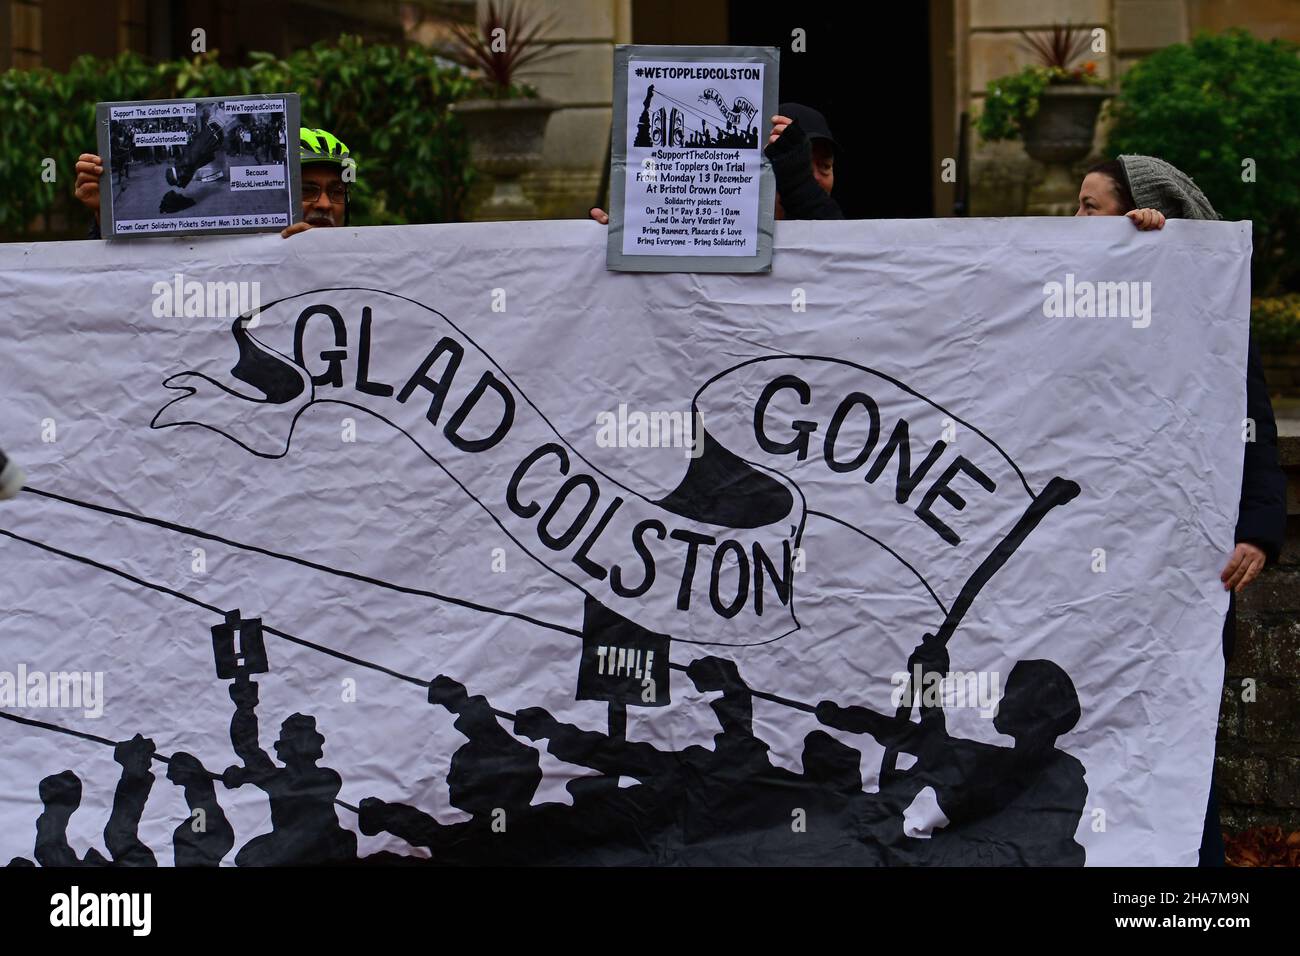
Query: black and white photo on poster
point(202, 165)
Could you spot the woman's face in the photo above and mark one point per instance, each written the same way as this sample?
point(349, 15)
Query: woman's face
point(1098, 197)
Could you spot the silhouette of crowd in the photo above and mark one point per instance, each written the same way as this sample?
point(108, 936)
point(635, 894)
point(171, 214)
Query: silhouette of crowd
point(724, 805)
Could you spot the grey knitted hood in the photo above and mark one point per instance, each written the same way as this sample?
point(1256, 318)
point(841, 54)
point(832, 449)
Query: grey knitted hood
point(1156, 184)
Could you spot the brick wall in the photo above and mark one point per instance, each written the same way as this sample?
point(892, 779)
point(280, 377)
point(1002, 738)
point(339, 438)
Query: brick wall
point(1259, 741)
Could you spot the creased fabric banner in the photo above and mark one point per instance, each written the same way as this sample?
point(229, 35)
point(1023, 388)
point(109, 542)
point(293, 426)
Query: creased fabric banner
point(443, 544)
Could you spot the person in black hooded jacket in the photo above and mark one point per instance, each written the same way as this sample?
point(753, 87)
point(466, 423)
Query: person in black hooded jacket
point(803, 153)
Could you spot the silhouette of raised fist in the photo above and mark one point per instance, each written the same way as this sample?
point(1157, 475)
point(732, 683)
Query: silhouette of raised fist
point(244, 694)
point(185, 768)
point(826, 711)
point(135, 754)
point(535, 723)
point(60, 789)
point(234, 777)
point(448, 693)
point(369, 813)
point(931, 654)
point(713, 673)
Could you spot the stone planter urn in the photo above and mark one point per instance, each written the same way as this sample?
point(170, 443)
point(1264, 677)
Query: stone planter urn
point(505, 141)
point(1059, 134)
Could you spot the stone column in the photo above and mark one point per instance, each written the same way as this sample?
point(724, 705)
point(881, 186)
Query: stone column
point(24, 49)
point(579, 78)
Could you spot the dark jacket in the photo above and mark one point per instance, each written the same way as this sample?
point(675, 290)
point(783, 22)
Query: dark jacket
point(1261, 517)
point(801, 197)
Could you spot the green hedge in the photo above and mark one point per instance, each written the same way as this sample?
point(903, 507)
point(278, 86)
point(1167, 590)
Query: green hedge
point(1011, 101)
point(1276, 321)
point(1209, 105)
point(389, 104)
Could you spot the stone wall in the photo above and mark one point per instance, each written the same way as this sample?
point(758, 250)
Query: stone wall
point(1258, 764)
point(579, 77)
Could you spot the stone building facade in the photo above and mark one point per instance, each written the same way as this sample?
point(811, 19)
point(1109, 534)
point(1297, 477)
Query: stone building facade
point(988, 46)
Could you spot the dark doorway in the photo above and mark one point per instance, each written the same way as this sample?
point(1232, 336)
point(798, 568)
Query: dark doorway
point(870, 77)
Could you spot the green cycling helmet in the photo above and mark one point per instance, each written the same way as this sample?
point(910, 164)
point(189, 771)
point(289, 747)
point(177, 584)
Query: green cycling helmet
point(321, 146)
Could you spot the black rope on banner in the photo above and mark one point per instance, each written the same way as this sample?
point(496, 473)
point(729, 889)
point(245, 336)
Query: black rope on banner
point(774, 698)
point(294, 559)
point(180, 595)
point(161, 758)
point(1058, 491)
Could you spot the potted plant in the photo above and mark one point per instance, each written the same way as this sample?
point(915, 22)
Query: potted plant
point(506, 123)
point(1052, 107)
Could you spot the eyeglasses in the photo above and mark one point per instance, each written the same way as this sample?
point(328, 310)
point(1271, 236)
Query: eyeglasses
point(337, 192)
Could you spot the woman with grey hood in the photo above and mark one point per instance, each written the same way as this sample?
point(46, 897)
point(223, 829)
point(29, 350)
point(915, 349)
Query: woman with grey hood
point(1148, 191)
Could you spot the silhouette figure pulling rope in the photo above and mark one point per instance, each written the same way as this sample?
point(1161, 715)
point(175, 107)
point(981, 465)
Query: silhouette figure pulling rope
point(1004, 805)
point(206, 836)
point(304, 824)
point(1015, 805)
point(491, 775)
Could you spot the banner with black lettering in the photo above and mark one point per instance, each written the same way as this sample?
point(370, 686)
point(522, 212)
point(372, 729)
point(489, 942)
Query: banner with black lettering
point(906, 553)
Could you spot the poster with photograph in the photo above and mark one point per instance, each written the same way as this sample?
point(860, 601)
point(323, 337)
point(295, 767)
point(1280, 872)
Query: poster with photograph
point(690, 188)
point(212, 165)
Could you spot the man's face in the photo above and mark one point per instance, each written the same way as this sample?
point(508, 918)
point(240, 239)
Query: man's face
point(823, 164)
point(322, 178)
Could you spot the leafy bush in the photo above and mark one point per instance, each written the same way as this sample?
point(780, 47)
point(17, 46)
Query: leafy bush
point(1275, 321)
point(389, 104)
point(1209, 106)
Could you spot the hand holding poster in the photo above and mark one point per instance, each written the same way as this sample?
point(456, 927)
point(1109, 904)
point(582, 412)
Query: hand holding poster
point(691, 190)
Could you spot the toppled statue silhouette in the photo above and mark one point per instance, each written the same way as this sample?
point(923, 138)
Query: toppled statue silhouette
point(60, 794)
point(305, 828)
point(492, 772)
point(198, 153)
point(206, 836)
point(1006, 806)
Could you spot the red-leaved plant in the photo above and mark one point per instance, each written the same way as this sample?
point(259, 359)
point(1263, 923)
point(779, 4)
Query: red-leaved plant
point(1058, 49)
point(500, 44)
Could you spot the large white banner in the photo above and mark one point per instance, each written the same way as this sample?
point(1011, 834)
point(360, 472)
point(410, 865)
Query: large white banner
point(457, 547)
